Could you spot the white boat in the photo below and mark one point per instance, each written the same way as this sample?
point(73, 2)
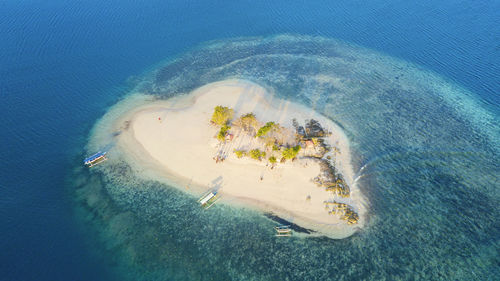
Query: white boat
point(283, 231)
point(209, 199)
point(95, 159)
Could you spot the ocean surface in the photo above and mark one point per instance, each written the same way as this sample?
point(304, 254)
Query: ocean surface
point(414, 85)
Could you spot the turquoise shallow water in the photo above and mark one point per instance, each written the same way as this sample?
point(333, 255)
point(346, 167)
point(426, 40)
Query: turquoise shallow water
point(428, 168)
point(426, 147)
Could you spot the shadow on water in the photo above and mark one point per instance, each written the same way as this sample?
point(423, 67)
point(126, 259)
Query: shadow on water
point(293, 226)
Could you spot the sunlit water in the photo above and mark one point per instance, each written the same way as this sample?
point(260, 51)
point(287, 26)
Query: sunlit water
point(424, 149)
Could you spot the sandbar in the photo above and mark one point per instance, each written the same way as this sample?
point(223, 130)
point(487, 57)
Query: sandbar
point(175, 138)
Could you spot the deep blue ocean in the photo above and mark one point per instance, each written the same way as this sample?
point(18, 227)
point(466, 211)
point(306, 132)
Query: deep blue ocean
point(63, 64)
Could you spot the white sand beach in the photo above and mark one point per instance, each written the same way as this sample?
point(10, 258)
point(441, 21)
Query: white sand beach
point(175, 139)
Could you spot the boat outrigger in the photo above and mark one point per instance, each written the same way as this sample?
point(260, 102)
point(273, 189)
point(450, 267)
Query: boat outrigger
point(209, 199)
point(95, 159)
point(283, 231)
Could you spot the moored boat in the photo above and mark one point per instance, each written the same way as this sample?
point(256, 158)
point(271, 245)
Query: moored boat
point(283, 231)
point(95, 159)
point(209, 199)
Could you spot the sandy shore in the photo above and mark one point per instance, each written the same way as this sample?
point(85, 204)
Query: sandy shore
point(174, 138)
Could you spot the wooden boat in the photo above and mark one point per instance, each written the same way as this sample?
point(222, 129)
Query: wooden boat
point(283, 231)
point(95, 159)
point(209, 199)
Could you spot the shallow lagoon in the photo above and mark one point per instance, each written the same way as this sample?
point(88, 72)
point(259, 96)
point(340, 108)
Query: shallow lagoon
point(424, 149)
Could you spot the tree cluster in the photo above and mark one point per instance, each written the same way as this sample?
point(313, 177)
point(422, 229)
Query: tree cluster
point(291, 152)
point(222, 115)
point(223, 132)
point(266, 129)
point(256, 154)
point(247, 122)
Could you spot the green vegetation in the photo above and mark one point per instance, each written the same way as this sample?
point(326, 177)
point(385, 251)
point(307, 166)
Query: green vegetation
point(223, 132)
point(222, 115)
point(272, 159)
point(266, 128)
point(275, 147)
point(291, 152)
point(240, 153)
point(248, 122)
point(257, 154)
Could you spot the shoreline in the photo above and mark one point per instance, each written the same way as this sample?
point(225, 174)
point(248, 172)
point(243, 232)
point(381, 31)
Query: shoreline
point(146, 143)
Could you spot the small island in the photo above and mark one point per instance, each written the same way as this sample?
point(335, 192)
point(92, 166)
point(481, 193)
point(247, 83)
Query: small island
point(257, 150)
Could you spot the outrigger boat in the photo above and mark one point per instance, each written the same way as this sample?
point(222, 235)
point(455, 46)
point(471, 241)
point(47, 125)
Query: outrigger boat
point(95, 159)
point(283, 231)
point(209, 199)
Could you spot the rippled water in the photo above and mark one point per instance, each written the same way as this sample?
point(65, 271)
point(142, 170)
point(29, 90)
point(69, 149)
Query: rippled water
point(426, 153)
point(426, 146)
